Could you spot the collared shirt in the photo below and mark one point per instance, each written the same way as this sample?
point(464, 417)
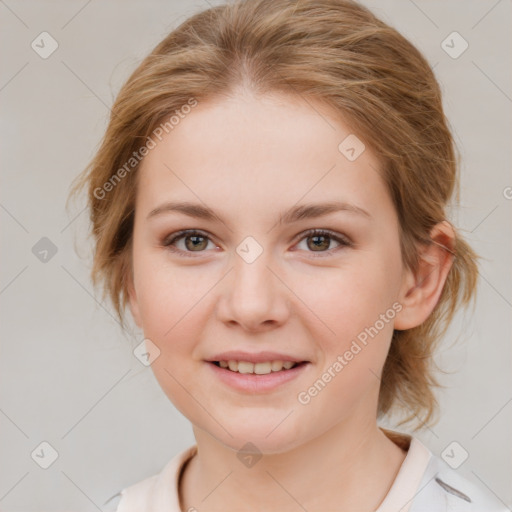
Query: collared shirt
point(424, 483)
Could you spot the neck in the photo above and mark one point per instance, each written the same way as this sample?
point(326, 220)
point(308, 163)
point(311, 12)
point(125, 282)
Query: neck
point(331, 472)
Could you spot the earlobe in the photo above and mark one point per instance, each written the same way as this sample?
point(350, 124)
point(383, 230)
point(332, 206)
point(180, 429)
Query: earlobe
point(422, 289)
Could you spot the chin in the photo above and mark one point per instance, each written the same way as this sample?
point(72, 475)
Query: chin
point(280, 440)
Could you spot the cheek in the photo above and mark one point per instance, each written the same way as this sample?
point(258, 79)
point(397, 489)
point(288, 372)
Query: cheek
point(167, 295)
point(353, 318)
point(352, 340)
point(346, 300)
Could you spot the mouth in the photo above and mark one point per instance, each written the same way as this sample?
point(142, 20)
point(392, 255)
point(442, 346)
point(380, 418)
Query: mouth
point(262, 368)
point(264, 374)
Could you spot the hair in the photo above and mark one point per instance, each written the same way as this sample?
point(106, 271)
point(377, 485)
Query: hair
point(335, 52)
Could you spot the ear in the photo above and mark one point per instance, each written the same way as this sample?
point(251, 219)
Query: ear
point(132, 300)
point(420, 290)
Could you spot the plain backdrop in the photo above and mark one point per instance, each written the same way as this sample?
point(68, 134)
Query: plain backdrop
point(68, 376)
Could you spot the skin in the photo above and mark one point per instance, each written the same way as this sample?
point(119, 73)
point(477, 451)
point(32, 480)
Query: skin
point(250, 158)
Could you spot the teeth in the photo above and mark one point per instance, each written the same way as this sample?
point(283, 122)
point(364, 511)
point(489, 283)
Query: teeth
point(244, 367)
point(256, 368)
point(276, 365)
point(262, 368)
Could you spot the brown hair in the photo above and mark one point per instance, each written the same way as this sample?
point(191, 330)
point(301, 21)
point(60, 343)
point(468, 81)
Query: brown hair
point(333, 51)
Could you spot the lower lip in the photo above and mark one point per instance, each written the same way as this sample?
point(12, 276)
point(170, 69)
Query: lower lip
point(253, 383)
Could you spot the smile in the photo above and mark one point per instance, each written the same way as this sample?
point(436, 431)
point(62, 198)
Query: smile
point(256, 368)
point(256, 378)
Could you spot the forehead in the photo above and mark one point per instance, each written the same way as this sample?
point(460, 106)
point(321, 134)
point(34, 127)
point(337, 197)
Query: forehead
point(262, 151)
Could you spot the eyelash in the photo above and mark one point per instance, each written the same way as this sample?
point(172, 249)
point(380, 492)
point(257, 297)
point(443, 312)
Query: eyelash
point(342, 240)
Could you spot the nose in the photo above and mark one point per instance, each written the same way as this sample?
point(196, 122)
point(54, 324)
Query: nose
point(254, 296)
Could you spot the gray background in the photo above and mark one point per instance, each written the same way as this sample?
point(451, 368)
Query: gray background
point(68, 375)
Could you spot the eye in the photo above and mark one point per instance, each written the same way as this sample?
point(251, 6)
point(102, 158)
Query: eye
point(194, 241)
point(321, 239)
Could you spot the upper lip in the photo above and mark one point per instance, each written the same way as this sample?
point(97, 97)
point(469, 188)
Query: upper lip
point(254, 357)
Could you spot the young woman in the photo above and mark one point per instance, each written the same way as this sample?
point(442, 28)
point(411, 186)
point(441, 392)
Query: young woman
point(269, 201)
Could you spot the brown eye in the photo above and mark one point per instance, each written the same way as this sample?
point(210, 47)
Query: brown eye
point(319, 241)
point(193, 241)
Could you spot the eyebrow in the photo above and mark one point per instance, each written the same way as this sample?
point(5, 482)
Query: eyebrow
point(294, 214)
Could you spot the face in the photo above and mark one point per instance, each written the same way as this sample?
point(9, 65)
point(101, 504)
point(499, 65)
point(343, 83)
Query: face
point(240, 273)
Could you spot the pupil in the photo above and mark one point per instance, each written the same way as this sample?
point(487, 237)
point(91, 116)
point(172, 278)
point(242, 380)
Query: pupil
point(325, 241)
point(195, 242)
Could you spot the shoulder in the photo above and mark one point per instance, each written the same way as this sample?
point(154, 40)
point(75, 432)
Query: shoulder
point(137, 497)
point(444, 489)
point(157, 492)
